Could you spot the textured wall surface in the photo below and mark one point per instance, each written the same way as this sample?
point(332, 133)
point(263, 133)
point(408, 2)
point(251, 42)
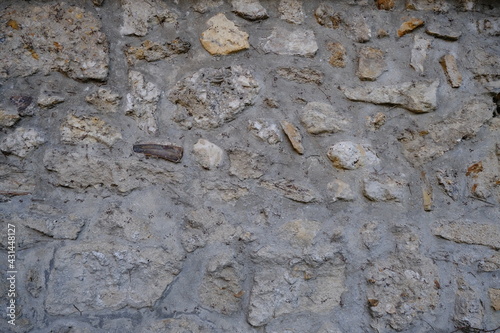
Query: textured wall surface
point(250, 166)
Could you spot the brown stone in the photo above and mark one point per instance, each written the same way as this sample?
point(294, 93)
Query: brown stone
point(371, 64)
point(450, 67)
point(293, 134)
point(337, 59)
point(409, 26)
point(223, 37)
point(385, 4)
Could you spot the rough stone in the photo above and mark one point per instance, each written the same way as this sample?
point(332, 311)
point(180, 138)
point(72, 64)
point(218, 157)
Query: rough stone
point(326, 16)
point(204, 6)
point(210, 97)
point(469, 233)
point(293, 134)
point(338, 57)
point(483, 66)
point(265, 130)
point(139, 16)
point(371, 63)
point(385, 4)
point(223, 36)
point(15, 180)
point(246, 164)
point(21, 142)
point(301, 75)
point(49, 100)
point(494, 298)
point(8, 117)
point(349, 155)
point(249, 9)
point(142, 101)
point(440, 6)
point(152, 51)
point(72, 43)
point(299, 42)
point(291, 11)
point(360, 31)
point(418, 97)
point(341, 191)
point(105, 276)
point(445, 33)
point(383, 188)
point(76, 130)
point(409, 26)
point(208, 155)
point(450, 68)
point(448, 180)
point(220, 190)
point(469, 310)
point(104, 100)
point(490, 264)
point(376, 121)
point(318, 117)
point(291, 191)
point(24, 104)
point(489, 26)
point(419, 149)
point(419, 53)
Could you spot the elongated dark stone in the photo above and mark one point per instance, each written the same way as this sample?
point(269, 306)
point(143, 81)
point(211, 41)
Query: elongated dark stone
point(168, 152)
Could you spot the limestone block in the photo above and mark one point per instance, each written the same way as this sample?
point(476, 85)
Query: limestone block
point(326, 16)
point(301, 75)
point(76, 130)
point(21, 142)
point(468, 232)
point(409, 26)
point(300, 42)
point(371, 63)
point(152, 51)
point(249, 9)
point(223, 37)
point(338, 56)
point(265, 130)
point(8, 117)
point(104, 100)
point(349, 155)
point(291, 190)
point(384, 188)
point(208, 155)
point(318, 117)
point(291, 11)
point(142, 101)
point(341, 191)
point(139, 16)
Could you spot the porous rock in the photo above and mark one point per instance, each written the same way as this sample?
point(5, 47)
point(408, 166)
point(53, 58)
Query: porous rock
point(152, 51)
point(338, 56)
point(265, 130)
point(76, 130)
point(349, 155)
point(223, 36)
point(494, 298)
point(318, 117)
point(291, 11)
point(141, 102)
point(385, 4)
point(208, 155)
point(49, 100)
point(371, 63)
point(300, 42)
point(104, 100)
point(326, 16)
point(469, 309)
point(360, 31)
point(249, 9)
point(21, 142)
point(489, 26)
point(139, 16)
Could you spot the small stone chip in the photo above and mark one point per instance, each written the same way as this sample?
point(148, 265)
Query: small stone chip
point(409, 26)
point(450, 68)
point(293, 134)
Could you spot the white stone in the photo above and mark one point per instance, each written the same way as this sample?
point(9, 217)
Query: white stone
point(349, 155)
point(419, 53)
point(223, 37)
point(21, 142)
point(384, 188)
point(300, 42)
point(341, 191)
point(249, 9)
point(140, 15)
point(265, 130)
point(318, 117)
point(141, 102)
point(78, 130)
point(208, 154)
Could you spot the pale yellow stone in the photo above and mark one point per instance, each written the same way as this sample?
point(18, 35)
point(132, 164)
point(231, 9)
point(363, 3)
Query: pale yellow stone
point(449, 64)
point(293, 135)
point(223, 37)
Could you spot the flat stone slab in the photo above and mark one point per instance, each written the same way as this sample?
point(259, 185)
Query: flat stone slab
point(300, 42)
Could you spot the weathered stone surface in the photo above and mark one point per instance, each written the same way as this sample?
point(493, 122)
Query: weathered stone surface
point(483, 66)
point(401, 287)
point(490, 264)
point(76, 130)
point(371, 63)
point(25, 105)
point(360, 31)
point(152, 51)
point(210, 97)
point(249, 9)
point(291, 191)
point(349, 155)
point(445, 33)
point(49, 100)
point(448, 180)
point(385, 4)
point(419, 53)
point(139, 16)
point(384, 188)
point(450, 68)
point(409, 26)
point(223, 36)
point(57, 226)
point(8, 117)
point(141, 102)
point(105, 276)
point(246, 164)
point(79, 169)
point(72, 43)
point(469, 233)
point(494, 298)
point(469, 310)
point(21, 142)
point(208, 155)
point(341, 191)
point(440, 6)
point(489, 26)
point(326, 16)
point(104, 100)
point(338, 57)
point(419, 149)
point(318, 117)
point(191, 325)
point(376, 121)
point(419, 97)
point(300, 42)
point(301, 75)
point(15, 180)
point(220, 190)
point(291, 11)
point(265, 130)
point(293, 134)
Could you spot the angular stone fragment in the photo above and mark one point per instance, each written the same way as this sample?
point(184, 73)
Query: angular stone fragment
point(385, 4)
point(245, 164)
point(494, 298)
point(211, 97)
point(167, 151)
point(341, 191)
point(203, 6)
point(15, 180)
point(409, 26)
point(8, 117)
point(223, 37)
point(49, 100)
point(21, 142)
point(76, 130)
point(105, 276)
point(152, 51)
point(265, 130)
point(326, 16)
point(419, 97)
point(291, 191)
point(349, 155)
point(448, 179)
point(337, 59)
point(140, 15)
point(291, 11)
point(24, 104)
point(489, 26)
point(249, 9)
point(53, 226)
point(360, 31)
point(300, 42)
point(419, 53)
point(320, 118)
point(469, 233)
point(383, 188)
point(376, 121)
point(104, 100)
point(450, 68)
point(469, 309)
point(490, 264)
point(141, 102)
point(293, 134)
point(445, 33)
point(208, 155)
point(72, 43)
point(371, 63)
point(301, 75)
point(439, 139)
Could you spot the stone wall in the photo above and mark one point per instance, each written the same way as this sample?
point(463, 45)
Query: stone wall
point(246, 166)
